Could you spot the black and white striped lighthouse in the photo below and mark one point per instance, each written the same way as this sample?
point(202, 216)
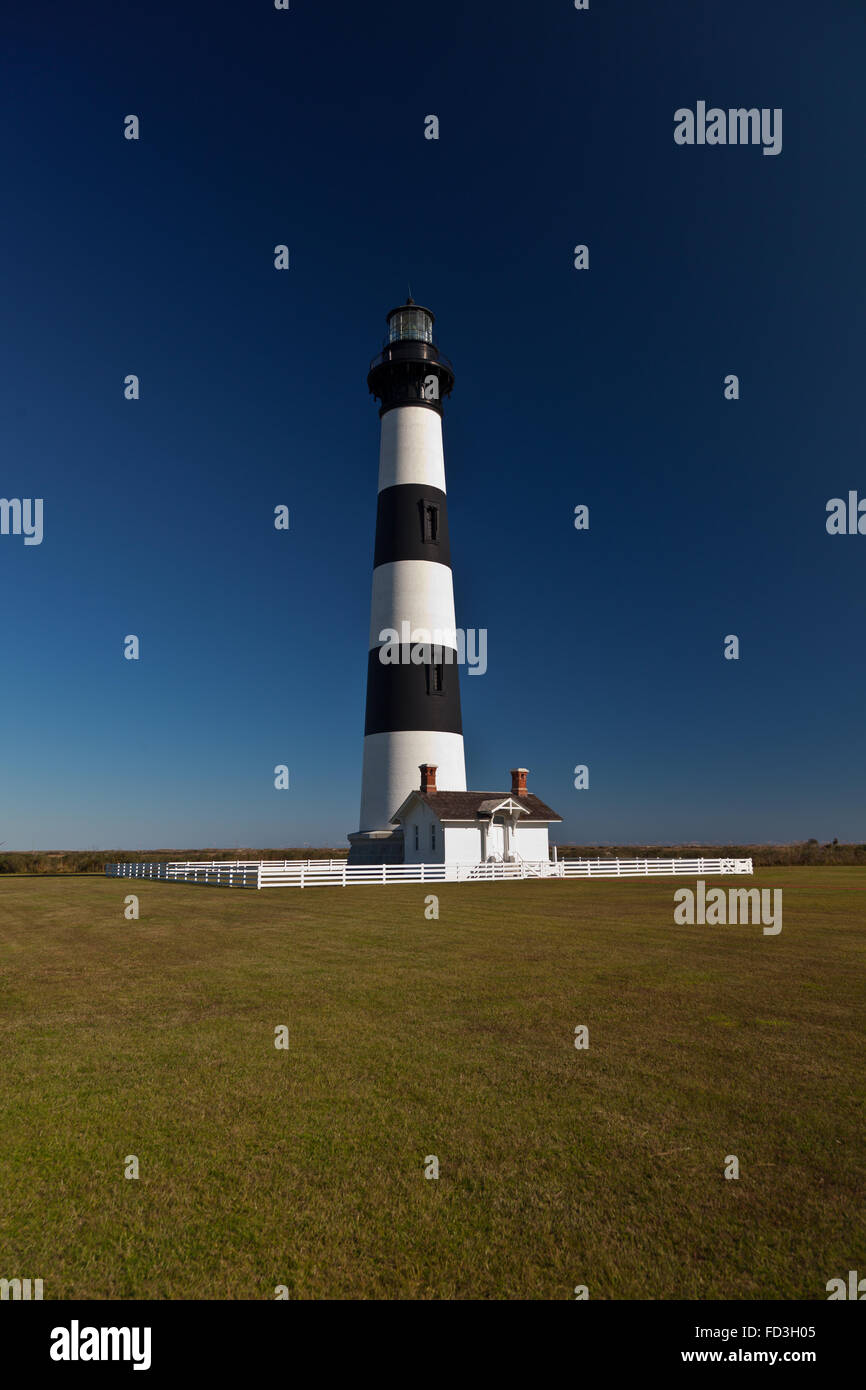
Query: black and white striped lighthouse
point(413, 695)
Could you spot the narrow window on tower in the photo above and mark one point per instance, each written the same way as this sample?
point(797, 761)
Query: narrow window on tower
point(417, 845)
point(436, 678)
point(430, 523)
point(433, 838)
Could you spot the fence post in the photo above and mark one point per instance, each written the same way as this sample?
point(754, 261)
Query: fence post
point(344, 874)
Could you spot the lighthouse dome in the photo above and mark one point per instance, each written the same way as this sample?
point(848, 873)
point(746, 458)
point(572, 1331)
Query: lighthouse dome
point(410, 322)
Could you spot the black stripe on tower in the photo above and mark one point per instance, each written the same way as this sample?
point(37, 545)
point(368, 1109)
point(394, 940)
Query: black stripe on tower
point(410, 696)
point(412, 524)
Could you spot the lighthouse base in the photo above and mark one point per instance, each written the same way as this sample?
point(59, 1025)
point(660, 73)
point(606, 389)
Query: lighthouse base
point(376, 847)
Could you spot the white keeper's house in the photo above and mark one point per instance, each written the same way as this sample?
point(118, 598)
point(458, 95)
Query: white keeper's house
point(462, 827)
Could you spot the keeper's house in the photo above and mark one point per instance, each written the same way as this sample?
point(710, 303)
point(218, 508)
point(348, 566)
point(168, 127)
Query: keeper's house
point(457, 827)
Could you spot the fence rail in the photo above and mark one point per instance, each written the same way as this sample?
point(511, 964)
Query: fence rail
point(310, 873)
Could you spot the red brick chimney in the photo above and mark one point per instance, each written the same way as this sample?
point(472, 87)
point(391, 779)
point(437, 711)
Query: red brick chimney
point(428, 777)
point(518, 781)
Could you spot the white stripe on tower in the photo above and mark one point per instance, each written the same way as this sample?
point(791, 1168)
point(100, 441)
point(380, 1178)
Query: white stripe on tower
point(416, 588)
point(410, 448)
point(413, 709)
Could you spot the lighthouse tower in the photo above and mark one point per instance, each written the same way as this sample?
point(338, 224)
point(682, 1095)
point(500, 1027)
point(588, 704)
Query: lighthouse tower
point(413, 696)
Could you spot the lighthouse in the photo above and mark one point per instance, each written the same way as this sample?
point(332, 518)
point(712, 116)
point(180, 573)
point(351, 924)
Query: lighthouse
point(413, 695)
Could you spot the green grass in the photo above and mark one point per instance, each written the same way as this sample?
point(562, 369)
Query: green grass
point(411, 1037)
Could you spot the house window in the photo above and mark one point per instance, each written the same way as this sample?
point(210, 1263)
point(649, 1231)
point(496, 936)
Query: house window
point(417, 844)
point(430, 523)
point(436, 678)
point(433, 838)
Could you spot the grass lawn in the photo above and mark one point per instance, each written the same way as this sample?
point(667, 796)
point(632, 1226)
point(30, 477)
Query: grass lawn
point(409, 1038)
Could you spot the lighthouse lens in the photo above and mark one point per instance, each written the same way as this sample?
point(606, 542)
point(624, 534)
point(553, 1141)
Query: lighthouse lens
point(413, 324)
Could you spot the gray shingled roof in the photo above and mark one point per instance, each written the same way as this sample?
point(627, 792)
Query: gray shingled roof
point(463, 805)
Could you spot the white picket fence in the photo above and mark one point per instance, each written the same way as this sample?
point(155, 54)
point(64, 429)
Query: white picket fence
point(310, 873)
point(227, 873)
point(646, 868)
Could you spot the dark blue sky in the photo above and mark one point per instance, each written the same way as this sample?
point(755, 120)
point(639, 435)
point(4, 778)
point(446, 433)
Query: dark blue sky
point(605, 387)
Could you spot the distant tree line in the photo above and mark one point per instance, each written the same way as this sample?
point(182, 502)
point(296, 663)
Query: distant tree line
point(93, 861)
point(800, 852)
